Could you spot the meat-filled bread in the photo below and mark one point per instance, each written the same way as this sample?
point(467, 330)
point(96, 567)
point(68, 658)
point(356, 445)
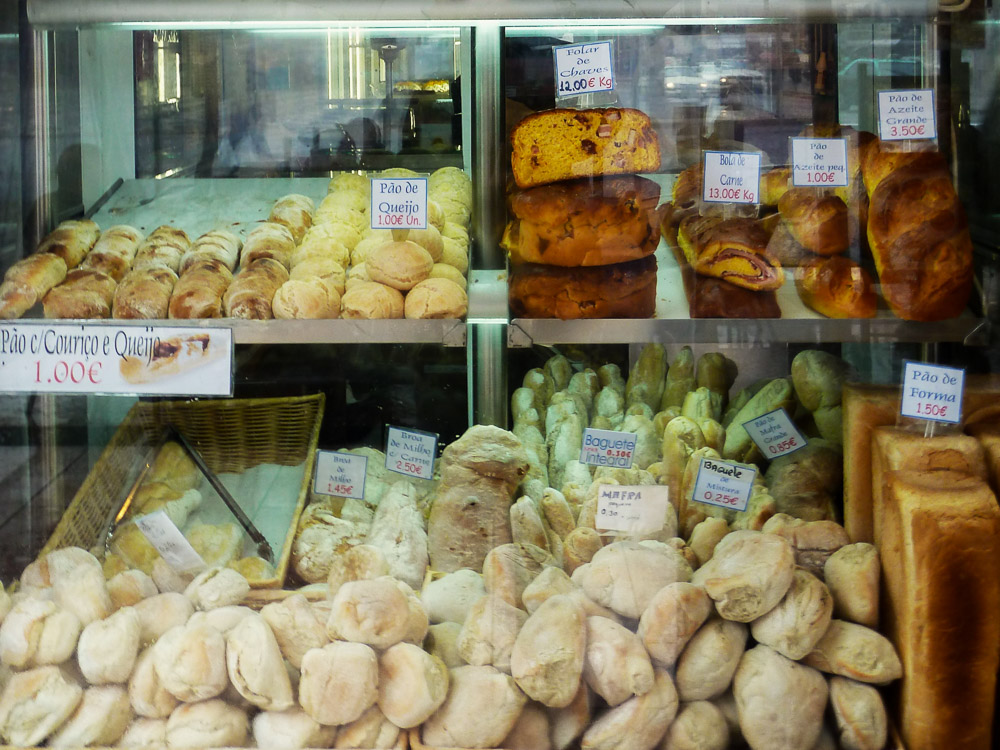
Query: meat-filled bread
point(734, 250)
point(249, 295)
point(918, 234)
point(144, 294)
point(269, 240)
point(114, 251)
point(198, 292)
point(561, 144)
point(27, 281)
point(170, 356)
point(584, 222)
point(71, 241)
point(622, 290)
point(164, 246)
point(836, 287)
point(218, 245)
point(83, 294)
point(295, 212)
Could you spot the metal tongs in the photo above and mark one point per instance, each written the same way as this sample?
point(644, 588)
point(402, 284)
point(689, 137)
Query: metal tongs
point(172, 433)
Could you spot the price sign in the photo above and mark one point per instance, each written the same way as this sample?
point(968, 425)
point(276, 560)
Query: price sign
point(583, 68)
point(932, 392)
point(819, 162)
point(170, 542)
point(126, 360)
point(906, 115)
point(607, 448)
point(775, 434)
point(399, 203)
point(340, 474)
point(723, 484)
point(632, 509)
point(411, 452)
point(731, 177)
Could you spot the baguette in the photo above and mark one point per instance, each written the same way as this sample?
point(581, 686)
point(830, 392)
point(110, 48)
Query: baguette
point(27, 281)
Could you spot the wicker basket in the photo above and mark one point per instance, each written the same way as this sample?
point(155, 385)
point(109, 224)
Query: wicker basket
point(231, 435)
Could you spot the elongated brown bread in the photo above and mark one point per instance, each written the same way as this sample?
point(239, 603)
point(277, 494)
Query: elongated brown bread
point(27, 281)
point(114, 251)
point(253, 288)
point(217, 245)
point(144, 293)
point(163, 247)
point(198, 292)
point(83, 294)
point(71, 241)
point(269, 240)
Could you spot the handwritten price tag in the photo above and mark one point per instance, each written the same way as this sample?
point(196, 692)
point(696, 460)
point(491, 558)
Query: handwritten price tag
point(906, 115)
point(583, 68)
point(607, 448)
point(340, 474)
point(723, 484)
point(170, 542)
point(775, 434)
point(819, 162)
point(932, 392)
point(731, 177)
point(126, 360)
point(411, 452)
point(639, 509)
point(399, 203)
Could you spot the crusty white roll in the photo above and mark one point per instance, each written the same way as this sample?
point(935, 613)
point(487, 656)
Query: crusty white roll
point(852, 575)
point(859, 713)
point(617, 665)
point(160, 613)
point(671, 618)
point(256, 667)
point(36, 703)
point(291, 729)
point(487, 636)
point(101, 719)
point(217, 587)
point(145, 691)
point(338, 682)
point(23, 638)
point(481, 708)
point(638, 723)
point(129, 588)
point(209, 723)
point(374, 612)
point(108, 648)
point(191, 662)
point(412, 684)
point(799, 620)
point(450, 597)
point(223, 619)
point(699, 725)
point(625, 576)
point(295, 626)
point(143, 732)
point(359, 562)
point(706, 666)
point(371, 731)
point(851, 650)
point(549, 652)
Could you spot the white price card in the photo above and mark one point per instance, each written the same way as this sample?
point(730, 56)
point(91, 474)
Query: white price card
point(775, 434)
point(340, 474)
point(819, 162)
point(584, 68)
point(932, 392)
point(172, 545)
point(126, 360)
point(607, 448)
point(411, 452)
point(398, 203)
point(731, 177)
point(906, 115)
point(640, 509)
point(723, 484)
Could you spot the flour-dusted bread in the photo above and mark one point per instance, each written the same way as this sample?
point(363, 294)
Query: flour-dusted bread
point(482, 707)
point(637, 724)
point(295, 626)
point(358, 562)
point(292, 729)
point(217, 587)
point(748, 574)
point(338, 682)
point(532, 730)
point(707, 664)
point(859, 713)
point(374, 612)
point(130, 587)
point(672, 616)
point(509, 568)
point(159, 613)
point(852, 576)
point(854, 651)
point(35, 703)
point(549, 652)
point(625, 576)
point(699, 725)
point(799, 620)
point(398, 530)
point(256, 667)
point(552, 581)
point(146, 693)
point(780, 702)
point(37, 631)
point(568, 723)
point(449, 598)
point(209, 723)
point(108, 648)
point(617, 665)
point(412, 684)
point(143, 732)
point(190, 661)
point(370, 731)
point(489, 632)
point(101, 719)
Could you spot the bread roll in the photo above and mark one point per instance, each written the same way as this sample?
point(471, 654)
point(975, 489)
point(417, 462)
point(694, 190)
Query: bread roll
point(198, 292)
point(509, 568)
point(100, 719)
point(836, 287)
point(398, 530)
point(854, 651)
point(252, 289)
point(699, 725)
point(255, 665)
point(218, 545)
point(292, 729)
point(401, 265)
point(163, 247)
point(637, 724)
point(268, 240)
point(160, 613)
point(852, 575)
point(146, 693)
point(616, 665)
point(217, 587)
point(531, 732)
point(295, 212)
point(217, 245)
point(334, 240)
point(799, 620)
point(672, 616)
point(707, 664)
point(372, 300)
point(27, 281)
point(338, 682)
point(374, 612)
point(358, 562)
point(36, 703)
point(114, 251)
point(334, 209)
point(209, 723)
point(371, 730)
point(82, 294)
point(108, 648)
point(436, 298)
point(295, 627)
point(190, 661)
point(144, 294)
point(22, 629)
point(549, 651)
point(71, 241)
point(449, 598)
point(307, 298)
point(142, 732)
point(412, 684)
point(489, 631)
point(349, 181)
point(859, 713)
point(817, 220)
point(481, 709)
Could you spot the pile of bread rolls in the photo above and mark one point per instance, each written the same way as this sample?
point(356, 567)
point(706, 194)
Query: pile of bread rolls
point(300, 263)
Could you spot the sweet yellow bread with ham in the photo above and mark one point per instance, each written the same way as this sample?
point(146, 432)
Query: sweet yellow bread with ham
point(734, 250)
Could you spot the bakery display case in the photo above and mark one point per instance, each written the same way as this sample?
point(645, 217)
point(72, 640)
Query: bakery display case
point(515, 375)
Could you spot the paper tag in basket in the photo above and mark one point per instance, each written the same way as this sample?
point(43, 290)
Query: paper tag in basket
point(170, 542)
point(340, 474)
point(932, 392)
point(639, 509)
point(411, 452)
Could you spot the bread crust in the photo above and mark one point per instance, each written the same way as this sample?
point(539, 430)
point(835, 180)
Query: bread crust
point(836, 287)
